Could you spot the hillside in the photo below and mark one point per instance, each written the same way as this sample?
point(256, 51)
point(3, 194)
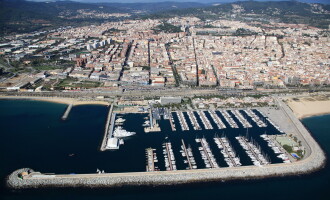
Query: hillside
point(24, 16)
point(19, 16)
point(283, 11)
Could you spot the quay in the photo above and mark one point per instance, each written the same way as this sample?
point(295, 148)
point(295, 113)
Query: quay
point(108, 126)
point(154, 126)
point(187, 155)
point(67, 112)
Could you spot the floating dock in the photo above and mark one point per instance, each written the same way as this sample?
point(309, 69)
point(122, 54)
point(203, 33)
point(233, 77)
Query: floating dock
point(67, 112)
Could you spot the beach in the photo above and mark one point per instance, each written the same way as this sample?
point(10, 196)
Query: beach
point(309, 106)
point(74, 102)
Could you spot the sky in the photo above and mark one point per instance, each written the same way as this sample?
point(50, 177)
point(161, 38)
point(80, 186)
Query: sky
point(199, 1)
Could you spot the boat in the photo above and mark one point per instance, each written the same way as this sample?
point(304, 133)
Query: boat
point(146, 123)
point(119, 132)
point(120, 120)
point(121, 141)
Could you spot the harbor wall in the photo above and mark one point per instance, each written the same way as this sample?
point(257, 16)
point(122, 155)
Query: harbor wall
point(313, 161)
point(106, 129)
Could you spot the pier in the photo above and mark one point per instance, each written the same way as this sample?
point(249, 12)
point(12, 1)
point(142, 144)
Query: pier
point(255, 118)
point(171, 121)
point(229, 119)
point(182, 120)
point(193, 120)
point(253, 152)
point(169, 157)
point(217, 119)
point(151, 159)
point(206, 154)
point(67, 112)
point(186, 153)
point(204, 119)
point(277, 148)
point(108, 126)
point(227, 152)
point(241, 119)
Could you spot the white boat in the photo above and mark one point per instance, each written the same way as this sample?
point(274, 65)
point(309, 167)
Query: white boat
point(119, 132)
point(120, 120)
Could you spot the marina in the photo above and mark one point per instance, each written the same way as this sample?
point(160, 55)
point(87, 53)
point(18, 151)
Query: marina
point(227, 151)
point(253, 151)
point(205, 121)
point(171, 121)
point(169, 158)
point(151, 160)
point(241, 119)
point(135, 149)
point(187, 153)
point(229, 119)
point(206, 153)
point(193, 120)
point(255, 118)
point(217, 119)
point(182, 120)
point(281, 153)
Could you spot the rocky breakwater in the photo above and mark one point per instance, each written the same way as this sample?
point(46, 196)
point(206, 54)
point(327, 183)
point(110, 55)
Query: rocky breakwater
point(38, 180)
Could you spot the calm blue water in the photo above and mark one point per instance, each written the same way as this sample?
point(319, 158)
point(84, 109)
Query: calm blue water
point(32, 135)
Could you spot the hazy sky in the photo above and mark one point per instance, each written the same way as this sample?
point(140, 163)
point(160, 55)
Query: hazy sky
point(200, 1)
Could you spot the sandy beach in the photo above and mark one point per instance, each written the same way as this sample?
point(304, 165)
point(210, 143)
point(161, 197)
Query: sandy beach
point(75, 102)
point(304, 107)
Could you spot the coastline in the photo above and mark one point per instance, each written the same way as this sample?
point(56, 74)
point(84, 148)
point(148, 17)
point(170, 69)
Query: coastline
point(306, 107)
point(59, 100)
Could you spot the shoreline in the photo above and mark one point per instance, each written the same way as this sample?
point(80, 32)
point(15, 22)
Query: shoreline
point(60, 100)
point(308, 106)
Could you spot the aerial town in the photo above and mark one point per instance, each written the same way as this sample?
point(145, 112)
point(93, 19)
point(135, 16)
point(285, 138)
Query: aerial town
point(148, 99)
point(179, 52)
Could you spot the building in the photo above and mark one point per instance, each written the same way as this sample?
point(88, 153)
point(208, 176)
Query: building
point(170, 100)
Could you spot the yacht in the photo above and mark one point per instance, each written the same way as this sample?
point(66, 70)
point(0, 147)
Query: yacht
point(120, 132)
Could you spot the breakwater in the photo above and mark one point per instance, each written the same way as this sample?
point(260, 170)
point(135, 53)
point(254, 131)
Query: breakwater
point(108, 127)
point(313, 160)
point(67, 112)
